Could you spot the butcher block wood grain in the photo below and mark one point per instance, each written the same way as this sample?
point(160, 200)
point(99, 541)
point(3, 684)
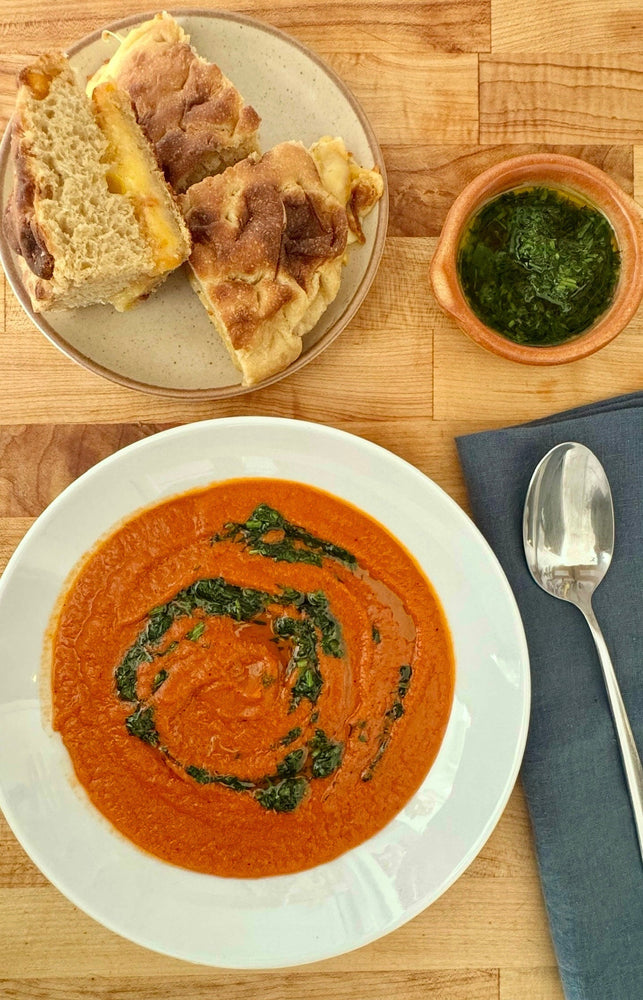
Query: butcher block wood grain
point(561, 98)
point(562, 25)
point(425, 180)
point(450, 86)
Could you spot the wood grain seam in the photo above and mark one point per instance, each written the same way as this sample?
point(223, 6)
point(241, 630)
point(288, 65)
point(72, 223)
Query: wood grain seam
point(479, 104)
point(433, 368)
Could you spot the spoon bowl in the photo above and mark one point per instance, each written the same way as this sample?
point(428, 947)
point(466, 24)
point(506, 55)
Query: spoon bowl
point(568, 528)
point(568, 536)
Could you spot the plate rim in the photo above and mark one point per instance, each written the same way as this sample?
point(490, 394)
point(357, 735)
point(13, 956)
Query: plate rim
point(12, 271)
point(410, 912)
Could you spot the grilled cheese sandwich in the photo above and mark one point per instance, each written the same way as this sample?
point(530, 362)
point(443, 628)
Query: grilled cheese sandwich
point(190, 112)
point(270, 239)
point(90, 215)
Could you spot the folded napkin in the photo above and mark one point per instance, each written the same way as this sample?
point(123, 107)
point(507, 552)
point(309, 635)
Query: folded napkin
point(586, 843)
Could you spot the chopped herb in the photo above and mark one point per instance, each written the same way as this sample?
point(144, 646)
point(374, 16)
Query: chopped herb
point(375, 632)
point(285, 796)
point(317, 610)
point(295, 544)
point(308, 685)
point(303, 659)
point(200, 774)
point(539, 266)
point(405, 679)
point(205, 777)
point(218, 598)
point(290, 596)
point(292, 763)
point(267, 680)
point(213, 596)
point(158, 680)
point(141, 725)
point(126, 673)
point(392, 714)
point(284, 790)
point(196, 632)
point(291, 736)
point(160, 621)
point(326, 754)
point(231, 781)
point(363, 738)
point(367, 773)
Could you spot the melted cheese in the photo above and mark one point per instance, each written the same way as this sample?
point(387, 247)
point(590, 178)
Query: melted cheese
point(160, 29)
point(342, 176)
point(331, 160)
point(129, 174)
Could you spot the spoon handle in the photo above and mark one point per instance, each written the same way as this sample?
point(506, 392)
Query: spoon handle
point(629, 754)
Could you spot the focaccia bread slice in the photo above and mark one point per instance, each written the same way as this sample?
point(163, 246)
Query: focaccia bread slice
point(269, 244)
point(192, 114)
point(90, 214)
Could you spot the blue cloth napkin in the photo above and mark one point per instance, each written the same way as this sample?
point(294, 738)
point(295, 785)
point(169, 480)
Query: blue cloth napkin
point(586, 844)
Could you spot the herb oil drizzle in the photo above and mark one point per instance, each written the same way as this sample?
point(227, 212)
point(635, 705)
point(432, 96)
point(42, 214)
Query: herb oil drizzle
point(309, 628)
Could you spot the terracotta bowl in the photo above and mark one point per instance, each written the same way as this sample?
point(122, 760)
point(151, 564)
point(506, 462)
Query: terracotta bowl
point(564, 172)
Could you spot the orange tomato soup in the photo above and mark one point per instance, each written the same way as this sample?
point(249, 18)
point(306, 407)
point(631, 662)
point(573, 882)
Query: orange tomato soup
point(251, 678)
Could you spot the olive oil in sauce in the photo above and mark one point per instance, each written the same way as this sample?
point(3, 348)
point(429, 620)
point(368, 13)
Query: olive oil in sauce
point(538, 265)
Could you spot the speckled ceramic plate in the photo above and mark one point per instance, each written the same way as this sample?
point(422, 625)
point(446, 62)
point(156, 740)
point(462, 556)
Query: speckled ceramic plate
point(167, 345)
point(368, 891)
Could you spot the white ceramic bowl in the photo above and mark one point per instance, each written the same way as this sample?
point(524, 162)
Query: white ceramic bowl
point(365, 893)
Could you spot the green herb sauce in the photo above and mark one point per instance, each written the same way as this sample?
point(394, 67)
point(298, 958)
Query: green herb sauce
point(538, 265)
point(290, 736)
point(286, 542)
point(284, 790)
point(310, 625)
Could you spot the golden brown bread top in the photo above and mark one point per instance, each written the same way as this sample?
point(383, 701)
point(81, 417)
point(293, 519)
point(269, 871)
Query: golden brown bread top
point(191, 113)
point(261, 232)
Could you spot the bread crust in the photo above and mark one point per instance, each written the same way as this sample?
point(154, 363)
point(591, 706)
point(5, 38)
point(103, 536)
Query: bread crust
point(268, 248)
point(192, 114)
point(21, 225)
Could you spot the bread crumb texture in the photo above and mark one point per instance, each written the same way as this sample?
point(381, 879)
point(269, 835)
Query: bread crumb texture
point(63, 200)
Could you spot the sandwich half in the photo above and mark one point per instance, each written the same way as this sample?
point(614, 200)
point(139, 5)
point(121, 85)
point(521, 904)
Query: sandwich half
point(192, 114)
point(90, 214)
point(269, 244)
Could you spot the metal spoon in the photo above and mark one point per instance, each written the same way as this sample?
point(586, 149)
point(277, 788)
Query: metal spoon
point(568, 534)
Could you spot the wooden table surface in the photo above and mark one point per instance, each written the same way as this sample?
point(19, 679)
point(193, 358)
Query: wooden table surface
point(450, 86)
